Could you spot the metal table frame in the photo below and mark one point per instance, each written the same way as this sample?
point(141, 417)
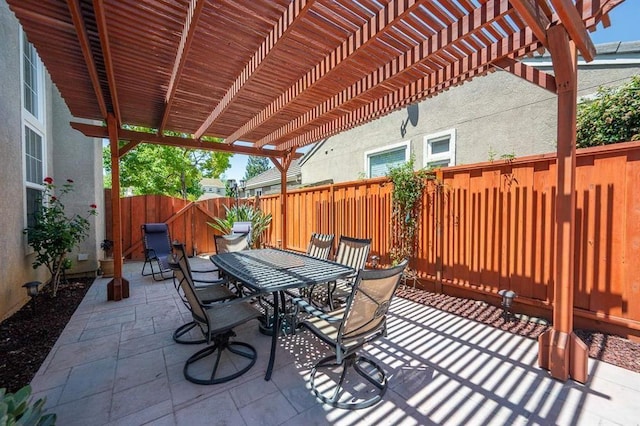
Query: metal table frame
point(274, 271)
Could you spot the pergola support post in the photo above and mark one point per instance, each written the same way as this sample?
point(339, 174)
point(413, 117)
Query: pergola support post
point(283, 168)
point(118, 287)
point(559, 350)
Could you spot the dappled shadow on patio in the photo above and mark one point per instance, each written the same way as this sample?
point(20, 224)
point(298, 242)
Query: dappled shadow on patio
point(116, 363)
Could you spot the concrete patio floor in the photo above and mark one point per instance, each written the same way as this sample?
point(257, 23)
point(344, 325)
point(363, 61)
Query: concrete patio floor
point(116, 364)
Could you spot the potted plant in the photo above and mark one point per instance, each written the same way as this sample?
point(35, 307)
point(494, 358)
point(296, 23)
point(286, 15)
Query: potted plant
point(106, 264)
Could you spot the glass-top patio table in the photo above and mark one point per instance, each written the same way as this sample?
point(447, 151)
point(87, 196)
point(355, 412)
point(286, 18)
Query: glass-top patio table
point(273, 271)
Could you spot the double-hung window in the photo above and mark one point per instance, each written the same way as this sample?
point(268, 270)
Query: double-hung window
point(440, 149)
point(33, 128)
point(379, 161)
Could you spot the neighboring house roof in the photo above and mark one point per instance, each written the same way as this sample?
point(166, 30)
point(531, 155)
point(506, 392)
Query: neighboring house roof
point(216, 183)
point(272, 176)
point(604, 51)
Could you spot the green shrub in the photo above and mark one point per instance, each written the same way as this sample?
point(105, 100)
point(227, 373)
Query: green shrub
point(260, 221)
point(16, 409)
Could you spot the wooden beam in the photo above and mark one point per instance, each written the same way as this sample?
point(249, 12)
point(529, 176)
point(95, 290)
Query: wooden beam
point(191, 22)
point(128, 147)
point(103, 33)
point(85, 46)
point(398, 67)
point(292, 17)
point(94, 131)
point(572, 21)
point(118, 287)
point(377, 26)
point(531, 74)
point(532, 15)
point(559, 349)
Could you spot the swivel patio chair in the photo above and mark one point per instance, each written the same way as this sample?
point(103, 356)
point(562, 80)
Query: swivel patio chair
point(231, 243)
point(362, 321)
point(320, 247)
point(157, 249)
point(209, 291)
point(216, 322)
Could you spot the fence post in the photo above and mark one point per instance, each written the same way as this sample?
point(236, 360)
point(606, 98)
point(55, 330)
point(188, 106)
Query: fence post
point(439, 234)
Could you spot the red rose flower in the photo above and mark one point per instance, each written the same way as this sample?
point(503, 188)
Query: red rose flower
point(53, 198)
point(93, 206)
point(48, 180)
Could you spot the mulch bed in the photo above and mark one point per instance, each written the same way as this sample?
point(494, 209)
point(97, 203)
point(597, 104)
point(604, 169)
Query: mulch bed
point(609, 348)
point(26, 338)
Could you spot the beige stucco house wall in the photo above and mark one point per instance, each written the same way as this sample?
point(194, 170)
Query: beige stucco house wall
point(488, 117)
point(68, 155)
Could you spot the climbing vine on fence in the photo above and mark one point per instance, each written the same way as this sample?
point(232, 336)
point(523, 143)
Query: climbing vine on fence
point(406, 199)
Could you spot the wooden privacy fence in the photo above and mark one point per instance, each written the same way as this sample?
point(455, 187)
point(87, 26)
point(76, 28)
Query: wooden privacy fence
point(490, 226)
point(187, 221)
point(484, 227)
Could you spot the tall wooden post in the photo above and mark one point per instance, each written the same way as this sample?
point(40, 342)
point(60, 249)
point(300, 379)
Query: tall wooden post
point(283, 168)
point(560, 350)
point(118, 287)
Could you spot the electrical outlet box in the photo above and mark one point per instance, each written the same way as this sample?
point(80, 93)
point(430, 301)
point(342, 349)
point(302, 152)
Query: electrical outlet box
point(83, 256)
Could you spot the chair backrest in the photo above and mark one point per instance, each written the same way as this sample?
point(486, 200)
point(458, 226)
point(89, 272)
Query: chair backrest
point(230, 243)
point(155, 236)
point(353, 252)
point(320, 245)
point(183, 279)
point(181, 256)
point(368, 304)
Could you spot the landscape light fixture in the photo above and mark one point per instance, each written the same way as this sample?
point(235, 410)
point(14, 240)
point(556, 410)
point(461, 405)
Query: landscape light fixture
point(507, 301)
point(32, 291)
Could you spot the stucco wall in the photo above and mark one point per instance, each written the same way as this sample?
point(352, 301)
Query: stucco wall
point(69, 155)
point(495, 115)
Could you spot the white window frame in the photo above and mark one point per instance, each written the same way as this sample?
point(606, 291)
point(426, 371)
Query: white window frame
point(35, 124)
point(450, 155)
point(382, 150)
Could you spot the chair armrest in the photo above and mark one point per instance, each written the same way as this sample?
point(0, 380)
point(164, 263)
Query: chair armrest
point(312, 310)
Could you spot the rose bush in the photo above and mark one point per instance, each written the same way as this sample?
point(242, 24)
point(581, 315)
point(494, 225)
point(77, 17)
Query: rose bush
point(54, 234)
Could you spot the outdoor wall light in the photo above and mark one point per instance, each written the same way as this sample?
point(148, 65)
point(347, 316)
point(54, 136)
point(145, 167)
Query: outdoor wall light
point(507, 300)
point(32, 291)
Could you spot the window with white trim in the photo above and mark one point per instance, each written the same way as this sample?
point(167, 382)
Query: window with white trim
point(33, 128)
point(440, 149)
point(377, 162)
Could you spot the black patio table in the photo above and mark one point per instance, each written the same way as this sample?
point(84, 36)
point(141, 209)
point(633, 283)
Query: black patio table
point(273, 270)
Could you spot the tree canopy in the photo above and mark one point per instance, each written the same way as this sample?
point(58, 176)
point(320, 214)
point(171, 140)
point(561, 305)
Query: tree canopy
point(612, 116)
point(168, 170)
point(256, 166)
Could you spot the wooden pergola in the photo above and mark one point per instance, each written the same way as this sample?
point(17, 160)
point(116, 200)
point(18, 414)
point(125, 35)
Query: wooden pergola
point(270, 76)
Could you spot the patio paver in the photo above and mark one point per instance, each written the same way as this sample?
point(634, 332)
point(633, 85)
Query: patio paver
point(116, 364)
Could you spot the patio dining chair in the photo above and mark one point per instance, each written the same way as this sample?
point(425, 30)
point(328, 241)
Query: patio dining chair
point(216, 322)
point(208, 291)
point(352, 252)
point(362, 321)
point(157, 249)
point(231, 243)
point(320, 246)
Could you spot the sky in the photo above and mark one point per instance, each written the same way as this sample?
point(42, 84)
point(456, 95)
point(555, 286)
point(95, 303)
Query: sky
point(625, 26)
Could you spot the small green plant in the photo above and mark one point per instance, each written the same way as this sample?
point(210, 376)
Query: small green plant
point(16, 409)
point(406, 200)
point(54, 234)
point(492, 154)
point(260, 221)
point(107, 248)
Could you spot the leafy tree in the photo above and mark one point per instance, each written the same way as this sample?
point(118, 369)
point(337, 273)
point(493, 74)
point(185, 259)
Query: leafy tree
point(174, 171)
point(256, 166)
point(613, 116)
